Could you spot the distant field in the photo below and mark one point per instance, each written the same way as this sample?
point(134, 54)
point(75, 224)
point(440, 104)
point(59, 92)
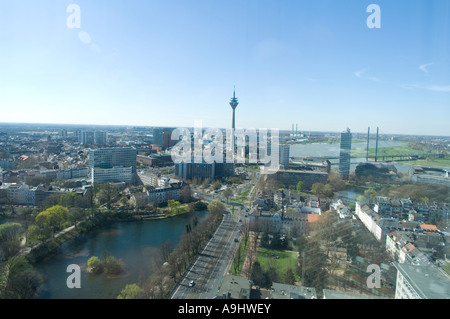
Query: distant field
point(441, 162)
point(394, 150)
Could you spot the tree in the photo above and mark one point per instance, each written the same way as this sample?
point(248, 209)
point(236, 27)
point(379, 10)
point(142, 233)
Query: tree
point(185, 194)
point(91, 197)
point(165, 249)
point(257, 275)
point(227, 194)
point(18, 279)
point(300, 186)
point(370, 193)
point(108, 194)
point(52, 218)
point(76, 214)
point(322, 189)
point(131, 291)
point(216, 207)
point(271, 275)
point(200, 206)
point(313, 266)
point(95, 264)
point(173, 203)
point(237, 259)
point(289, 277)
point(9, 242)
point(336, 181)
point(328, 191)
point(317, 188)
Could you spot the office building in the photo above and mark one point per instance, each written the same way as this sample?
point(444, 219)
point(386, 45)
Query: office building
point(100, 137)
point(86, 137)
point(284, 155)
point(113, 165)
point(345, 154)
point(112, 175)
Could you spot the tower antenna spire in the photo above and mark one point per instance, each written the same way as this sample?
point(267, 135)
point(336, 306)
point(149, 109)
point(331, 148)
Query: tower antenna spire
point(234, 103)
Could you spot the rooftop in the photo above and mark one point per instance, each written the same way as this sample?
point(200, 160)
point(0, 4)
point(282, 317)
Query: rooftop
point(429, 281)
point(336, 294)
point(284, 291)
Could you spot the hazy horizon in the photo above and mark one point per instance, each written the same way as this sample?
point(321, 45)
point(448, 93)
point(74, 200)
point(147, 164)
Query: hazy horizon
point(170, 63)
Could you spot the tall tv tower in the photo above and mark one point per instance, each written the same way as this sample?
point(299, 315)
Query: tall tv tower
point(234, 103)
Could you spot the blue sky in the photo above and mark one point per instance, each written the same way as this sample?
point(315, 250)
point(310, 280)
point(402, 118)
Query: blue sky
point(169, 63)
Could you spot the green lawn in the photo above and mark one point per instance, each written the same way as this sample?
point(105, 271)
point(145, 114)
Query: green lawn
point(394, 150)
point(447, 268)
point(243, 248)
point(440, 162)
point(286, 260)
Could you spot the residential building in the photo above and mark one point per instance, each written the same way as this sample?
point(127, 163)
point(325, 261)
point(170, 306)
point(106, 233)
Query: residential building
point(22, 194)
point(284, 291)
point(235, 287)
point(86, 137)
point(161, 195)
point(337, 294)
point(70, 173)
point(421, 282)
point(377, 225)
point(341, 209)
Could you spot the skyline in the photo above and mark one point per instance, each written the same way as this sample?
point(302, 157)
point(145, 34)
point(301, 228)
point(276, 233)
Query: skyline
point(155, 63)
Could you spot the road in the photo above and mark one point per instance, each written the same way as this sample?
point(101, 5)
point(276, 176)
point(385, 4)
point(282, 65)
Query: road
point(216, 258)
point(213, 262)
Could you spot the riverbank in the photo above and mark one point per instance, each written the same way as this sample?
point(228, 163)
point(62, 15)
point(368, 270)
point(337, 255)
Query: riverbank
point(137, 243)
point(46, 249)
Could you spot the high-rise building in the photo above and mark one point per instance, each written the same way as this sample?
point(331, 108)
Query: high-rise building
point(100, 137)
point(284, 155)
point(345, 153)
point(105, 162)
point(163, 137)
point(86, 137)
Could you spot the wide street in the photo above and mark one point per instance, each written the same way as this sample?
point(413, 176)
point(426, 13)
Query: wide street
point(213, 262)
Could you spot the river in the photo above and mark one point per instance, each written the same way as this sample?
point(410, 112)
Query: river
point(135, 243)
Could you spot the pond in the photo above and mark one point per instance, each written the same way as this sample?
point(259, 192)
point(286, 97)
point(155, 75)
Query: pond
point(135, 243)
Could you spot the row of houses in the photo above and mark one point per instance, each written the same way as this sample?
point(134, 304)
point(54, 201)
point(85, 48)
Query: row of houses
point(405, 208)
point(23, 194)
point(418, 249)
point(284, 198)
point(400, 236)
point(11, 176)
point(281, 211)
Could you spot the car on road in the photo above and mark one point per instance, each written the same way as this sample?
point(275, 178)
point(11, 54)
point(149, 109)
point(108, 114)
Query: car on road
point(191, 283)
